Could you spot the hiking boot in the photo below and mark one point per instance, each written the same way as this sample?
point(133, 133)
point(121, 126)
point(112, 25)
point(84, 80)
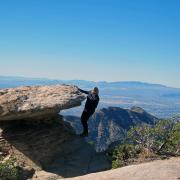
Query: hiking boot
point(84, 134)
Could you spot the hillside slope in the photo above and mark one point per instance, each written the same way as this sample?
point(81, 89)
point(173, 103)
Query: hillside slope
point(109, 125)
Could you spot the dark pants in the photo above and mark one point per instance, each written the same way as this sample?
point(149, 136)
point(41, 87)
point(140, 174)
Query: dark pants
point(84, 118)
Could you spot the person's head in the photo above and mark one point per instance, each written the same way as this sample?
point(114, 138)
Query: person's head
point(95, 90)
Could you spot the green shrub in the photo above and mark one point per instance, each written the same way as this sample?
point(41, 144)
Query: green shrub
point(164, 137)
point(172, 145)
point(123, 153)
point(8, 170)
point(145, 142)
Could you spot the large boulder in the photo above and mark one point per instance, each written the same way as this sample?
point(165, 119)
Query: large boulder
point(37, 101)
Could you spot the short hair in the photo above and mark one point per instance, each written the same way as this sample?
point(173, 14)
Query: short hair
point(96, 90)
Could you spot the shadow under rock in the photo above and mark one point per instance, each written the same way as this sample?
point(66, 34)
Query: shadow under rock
point(52, 145)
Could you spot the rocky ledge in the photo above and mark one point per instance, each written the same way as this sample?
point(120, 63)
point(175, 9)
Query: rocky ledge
point(37, 101)
point(155, 170)
point(43, 144)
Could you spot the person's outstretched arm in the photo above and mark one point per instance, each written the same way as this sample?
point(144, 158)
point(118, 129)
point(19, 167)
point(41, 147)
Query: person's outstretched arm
point(85, 92)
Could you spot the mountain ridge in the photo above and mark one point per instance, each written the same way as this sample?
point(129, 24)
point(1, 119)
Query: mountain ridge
point(109, 125)
point(100, 83)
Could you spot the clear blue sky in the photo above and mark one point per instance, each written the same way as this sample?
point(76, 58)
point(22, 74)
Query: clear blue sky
point(112, 40)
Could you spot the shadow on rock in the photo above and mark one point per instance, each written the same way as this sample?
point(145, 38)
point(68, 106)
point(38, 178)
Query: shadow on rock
point(52, 145)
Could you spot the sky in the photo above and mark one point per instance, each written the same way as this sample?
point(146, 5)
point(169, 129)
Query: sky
point(97, 40)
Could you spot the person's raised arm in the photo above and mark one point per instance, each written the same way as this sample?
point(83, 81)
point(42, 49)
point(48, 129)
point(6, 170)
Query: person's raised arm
point(85, 92)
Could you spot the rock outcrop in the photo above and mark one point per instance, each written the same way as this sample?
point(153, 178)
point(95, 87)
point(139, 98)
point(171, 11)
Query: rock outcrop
point(37, 101)
point(32, 131)
point(156, 170)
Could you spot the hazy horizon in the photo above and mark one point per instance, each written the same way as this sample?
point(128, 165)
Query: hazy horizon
point(58, 79)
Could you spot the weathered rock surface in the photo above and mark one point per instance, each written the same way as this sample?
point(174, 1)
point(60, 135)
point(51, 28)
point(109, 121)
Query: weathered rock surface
point(37, 101)
point(43, 175)
point(156, 170)
point(45, 144)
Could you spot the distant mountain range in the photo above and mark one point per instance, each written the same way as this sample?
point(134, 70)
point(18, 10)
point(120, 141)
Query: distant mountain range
point(109, 125)
point(159, 100)
point(13, 81)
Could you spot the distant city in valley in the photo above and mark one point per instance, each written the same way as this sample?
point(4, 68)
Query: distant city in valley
point(159, 100)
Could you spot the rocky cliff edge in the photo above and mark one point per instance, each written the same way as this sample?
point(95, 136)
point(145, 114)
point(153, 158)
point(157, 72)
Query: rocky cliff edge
point(43, 144)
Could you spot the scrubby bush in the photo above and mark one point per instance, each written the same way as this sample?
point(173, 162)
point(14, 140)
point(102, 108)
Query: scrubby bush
point(146, 141)
point(172, 144)
point(125, 153)
point(164, 137)
point(8, 170)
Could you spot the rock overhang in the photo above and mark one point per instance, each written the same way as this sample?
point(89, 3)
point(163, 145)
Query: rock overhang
point(34, 102)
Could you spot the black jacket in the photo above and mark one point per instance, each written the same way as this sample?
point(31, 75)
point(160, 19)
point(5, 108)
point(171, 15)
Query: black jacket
point(91, 102)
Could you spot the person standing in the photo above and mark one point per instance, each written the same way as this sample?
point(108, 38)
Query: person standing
point(89, 109)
